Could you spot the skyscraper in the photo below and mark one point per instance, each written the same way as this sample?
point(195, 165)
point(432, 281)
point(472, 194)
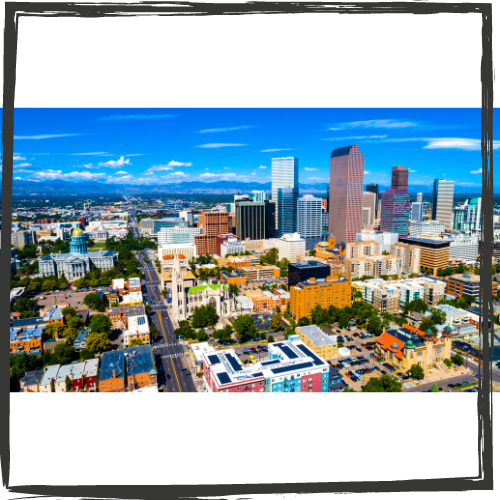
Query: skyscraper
point(255, 220)
point(419, 197)
point(260, 196)
point(399, 178)
point(442, 202)
point(285, 192)
point(347, 166)
point(373, 188)
point(309, 225)
point(370, 201)
point(467, 217)
point(416, 212)
point(395, 212)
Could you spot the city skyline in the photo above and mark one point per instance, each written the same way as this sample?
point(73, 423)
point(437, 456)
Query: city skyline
point(164, 146)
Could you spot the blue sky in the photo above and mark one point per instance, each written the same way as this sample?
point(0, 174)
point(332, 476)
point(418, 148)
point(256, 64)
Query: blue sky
point(160, 146)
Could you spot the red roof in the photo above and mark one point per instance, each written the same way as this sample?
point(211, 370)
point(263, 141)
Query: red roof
point(63, 303)
point(16, 314)
point(386, 340)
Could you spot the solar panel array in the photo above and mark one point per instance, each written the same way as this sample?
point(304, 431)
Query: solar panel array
point(311, 354)
point(260, 374)
point(273, 362)
point(224, 378)
point(214, 359)
point(236, 366)
point(288, 352)
point(290, 368)
point(141, 320)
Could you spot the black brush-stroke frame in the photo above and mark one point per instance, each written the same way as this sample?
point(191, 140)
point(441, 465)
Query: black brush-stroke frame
point(484, 480)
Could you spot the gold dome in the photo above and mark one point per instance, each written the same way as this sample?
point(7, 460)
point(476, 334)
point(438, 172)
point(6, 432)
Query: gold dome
point(77, 231)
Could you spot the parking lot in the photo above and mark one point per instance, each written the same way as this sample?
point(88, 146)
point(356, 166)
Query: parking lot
point(52, 299)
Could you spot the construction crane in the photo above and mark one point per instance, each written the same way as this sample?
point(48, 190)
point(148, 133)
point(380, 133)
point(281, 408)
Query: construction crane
point(86, 205)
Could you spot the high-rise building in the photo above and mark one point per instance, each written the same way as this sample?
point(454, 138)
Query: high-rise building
point(428, 227)
point(250, 220)
point(399, 178)
point(292, 247)
point(395, 212)
point(373, 188)
point(419, 197)
point(434, 254)
point(309, 224)
point(386, 240)
point(416, 212)
point(285, 192)
point(242, 197)
point(169, 235)
point(347, 166)
point(302, 271)
point(370, 201)
point(328, 198)
point(260, 196)
point(367, 216)
point(442, 202)
point(467, 216)
point(214, 224)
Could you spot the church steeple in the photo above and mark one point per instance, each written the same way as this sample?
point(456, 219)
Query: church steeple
point(178, 296)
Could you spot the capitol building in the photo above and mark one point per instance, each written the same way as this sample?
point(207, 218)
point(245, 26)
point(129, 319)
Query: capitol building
point(78, 261)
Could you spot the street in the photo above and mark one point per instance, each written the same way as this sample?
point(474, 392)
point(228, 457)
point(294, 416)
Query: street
point(168, 351)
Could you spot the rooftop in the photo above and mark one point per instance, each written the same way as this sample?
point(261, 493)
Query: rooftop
point(112, 361)
point(140, 359)
point(127, 310)
point(316, 336)
point(308, 264)
point(204, 286)
point(49, 373)
point(467, 277)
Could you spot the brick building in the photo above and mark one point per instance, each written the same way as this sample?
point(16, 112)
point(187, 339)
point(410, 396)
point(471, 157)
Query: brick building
point(214, 224)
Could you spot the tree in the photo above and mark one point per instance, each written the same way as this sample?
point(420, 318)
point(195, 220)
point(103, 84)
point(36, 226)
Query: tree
point(204, 315)
point(277, 323)
point(385, 252)
point(427, 324)
point(416, 372)
point(136, 342)
point(22, 363)
point(349, 389)
point(100, 323)
point(417, 305)
point(385, 383)
point(375, 325)
point(447, 362)
point(438, 316)
point(270, 339)
point(343, 319)
point(185, 331)
point(284, 287)
point(93, 301)
point(75, 322)
point(458, 359)
point(86, 354)
point(434, 387)
point(234, 289)
point(244, 328)
point(70, 335)
point(154, 331)
point(34, 286)
point(148, 309)
point(49, 285)
point(22, 305)
point(64, 353)
point(98, 342)
point(53, 328)
point(201, 335)
point(68, 311)
point(304, 321)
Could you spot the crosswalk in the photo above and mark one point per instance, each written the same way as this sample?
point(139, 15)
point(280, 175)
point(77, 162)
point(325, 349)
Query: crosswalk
point(162, 346)
point(176, 355)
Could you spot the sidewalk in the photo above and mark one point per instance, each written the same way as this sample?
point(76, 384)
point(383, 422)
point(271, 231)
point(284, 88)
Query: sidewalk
point(189, 363)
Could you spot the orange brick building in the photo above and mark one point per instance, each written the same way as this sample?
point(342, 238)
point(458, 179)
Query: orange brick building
point(214, 224)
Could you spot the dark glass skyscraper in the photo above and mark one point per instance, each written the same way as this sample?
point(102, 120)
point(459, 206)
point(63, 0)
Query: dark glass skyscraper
point(255, 220)
point(399, 178)
point(395, 212)
point(373, 188)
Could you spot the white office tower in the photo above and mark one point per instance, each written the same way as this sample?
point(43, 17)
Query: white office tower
point(260, 196)
point(187, 215)
point(231, 245)
point(291, 247)
point(285, 192)
point(467, 216)
point(309, 223)
point(242, 197)
point(428, 227)
point(464, 247)
point(385, 239)
point(369, 201)
point(416, 212)
point(419, 197)
point(168, 235)
point(442, 202)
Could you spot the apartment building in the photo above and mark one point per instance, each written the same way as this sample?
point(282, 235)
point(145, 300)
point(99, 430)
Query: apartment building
point(292, 247)
point(320, 343)
point(214, 224)
point(467, 284)
point(434, 254)
point(410, 257)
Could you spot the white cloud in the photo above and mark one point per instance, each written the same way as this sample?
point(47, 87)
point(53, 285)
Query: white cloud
point(208, 175)
point(174, 163)
point(135, 154)
point(262, 167)
point(366, 172)
point(468, 184)
point(478, 171)
point(411, 171)
point(218, 145)
point(310, 169)
point(169, 166)
point(227, 168)
point(177, 173)
point(115, 164)
point(23, 171)
point(122, 172)
point(43, 136)
point(19, 165)
point(374, 124)
point(57, 174)
point(135, 117)
point(18, 158)
point(18, 178)
point(88, 165)
point(463, 143)
point(355, 137)
point(227, 129)
point(273, 150)
point(89, 154)
point(254, 173)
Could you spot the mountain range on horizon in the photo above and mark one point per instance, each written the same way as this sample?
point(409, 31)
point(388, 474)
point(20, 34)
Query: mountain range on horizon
point(26, 187)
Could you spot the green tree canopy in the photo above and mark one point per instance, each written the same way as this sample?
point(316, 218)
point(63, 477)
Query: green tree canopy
point(201, 335)
point(375, 325)
point(304, 321)
point(185, 331)
point(416, 372)
point(277, 322)
point(234, 289)
point(434, 387)
point(53, 328)
point(427, 324)
point(136, 342)
point(98, 342)
point(417, 305)
point(457, 359)
point(385, 383)
point(244, 328)
point(22, 305)
point(68, 311)
point(203, 316)
point(100, 323)
point(270, 339)
point(64, 353)
point(93, 301)
point(438, 316)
